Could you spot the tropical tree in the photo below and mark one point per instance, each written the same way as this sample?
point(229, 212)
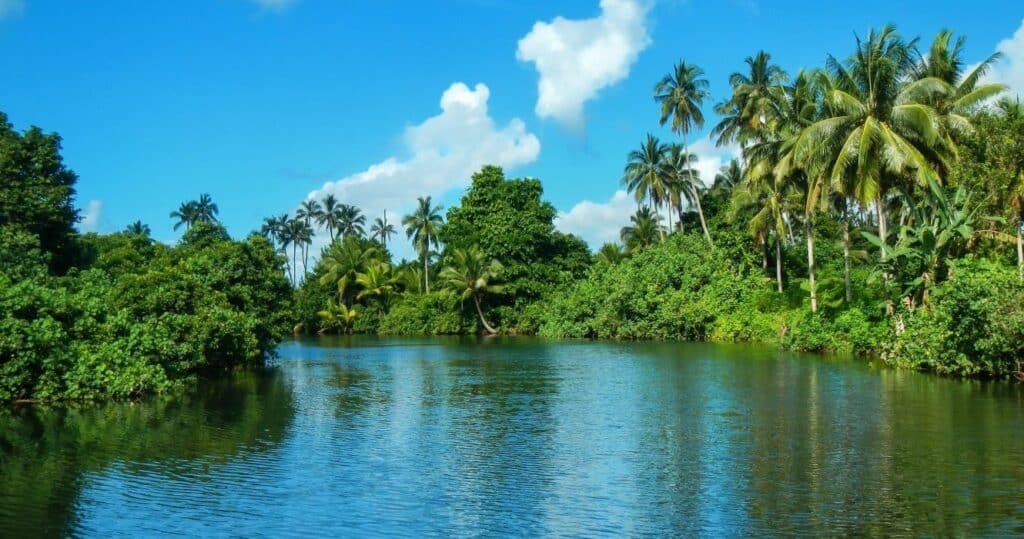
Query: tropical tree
point(422, 227)
point(378, 282)
point(646, 174)
point(138, 228)
point(748, 111)
point(729, 177)
point(350, 221)
point(684, 182)
point(342, 261)
point(337, 317)
point(611, 253)
point(187, 214)
point(301, 235)
point(310, 212)
point(206, 209)
point(470, 273)
point(382, 230)
point(330, 216)
point(643, 231)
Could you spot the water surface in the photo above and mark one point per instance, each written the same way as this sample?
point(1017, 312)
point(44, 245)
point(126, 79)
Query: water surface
point(466, 437)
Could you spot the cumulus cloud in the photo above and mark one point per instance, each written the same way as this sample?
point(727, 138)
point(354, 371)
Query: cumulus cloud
point(440, 154)
point(1010, 69)
point(575, 59)
point(10, 8)
point(91, 218)
point(599, 222)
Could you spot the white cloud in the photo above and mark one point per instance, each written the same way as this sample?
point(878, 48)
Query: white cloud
point(91, 218)
point(273, 5)
point(1010, 69)
point(600, 222)
point(441, 154)
point(10, 8)
point(577, 58)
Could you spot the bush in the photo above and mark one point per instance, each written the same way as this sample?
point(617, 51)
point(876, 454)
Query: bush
point(436, 313)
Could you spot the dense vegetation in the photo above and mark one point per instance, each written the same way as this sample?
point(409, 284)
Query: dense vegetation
point(876, 208)
point(89, 317)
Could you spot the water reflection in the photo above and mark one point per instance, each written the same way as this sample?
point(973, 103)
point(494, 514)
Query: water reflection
point(414, 437)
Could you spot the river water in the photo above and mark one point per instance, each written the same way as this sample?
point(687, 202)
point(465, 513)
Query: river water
point(466, 437)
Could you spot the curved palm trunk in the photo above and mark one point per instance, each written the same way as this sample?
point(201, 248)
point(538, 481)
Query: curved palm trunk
point(476, 301)
point(778, 263)
point(700, 212)
point(846, 255)
point(809, 232)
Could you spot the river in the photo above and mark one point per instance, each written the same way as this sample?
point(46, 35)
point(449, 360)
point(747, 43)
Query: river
point(466, 437)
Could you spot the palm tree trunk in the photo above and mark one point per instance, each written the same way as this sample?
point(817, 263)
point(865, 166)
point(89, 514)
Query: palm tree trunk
point(668, 210)
point(764, 251)
point(476, 301)
point(661, 230)
point(882, 227)
point(294, 263)
point(846, 255)
point(1020, 250)
point(426, 271)
point(809, 232)
point(778, 262)
point(700, 212)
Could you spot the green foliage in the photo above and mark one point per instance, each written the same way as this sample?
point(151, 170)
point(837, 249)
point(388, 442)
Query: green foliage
point(436, 313)
point(974, 325)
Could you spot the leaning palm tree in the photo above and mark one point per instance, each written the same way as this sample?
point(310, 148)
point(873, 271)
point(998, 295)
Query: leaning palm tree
point(187, 214)
point(382, 230)
point(748, 111)
point(681, 94)
point(329, 217)
point(470, 273)
point(643, 230)
point(685, 182)
point(422, 227)
point(206, 209)
point(350, 221)
point(646, 176)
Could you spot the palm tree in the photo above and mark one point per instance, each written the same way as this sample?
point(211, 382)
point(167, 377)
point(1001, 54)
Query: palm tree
point(422, 226)
point(685, 182)
point(350, 221)
point(729, 177)
point(382, 230)
point(1013, 111)
point(876, 127)
point(378, 282)
point(343, 261)
point(187, 214)
point(681, 94)
point(644, 230)
point(646, 173)
point(206, 209)
point(750, 107)
point(310, 212)
point(138, 228)
point(336, 317)
point(273, 228)
point(469, 273)
point(610, 253)
point(301, 235)
point(329, 217)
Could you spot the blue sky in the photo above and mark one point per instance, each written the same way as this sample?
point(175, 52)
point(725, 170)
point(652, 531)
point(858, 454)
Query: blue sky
point(263, 103)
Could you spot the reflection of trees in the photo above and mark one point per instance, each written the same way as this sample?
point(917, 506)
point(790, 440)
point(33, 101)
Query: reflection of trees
point(44, 452)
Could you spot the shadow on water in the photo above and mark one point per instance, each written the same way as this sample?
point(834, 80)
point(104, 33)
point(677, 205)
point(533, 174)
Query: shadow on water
point(48, 453)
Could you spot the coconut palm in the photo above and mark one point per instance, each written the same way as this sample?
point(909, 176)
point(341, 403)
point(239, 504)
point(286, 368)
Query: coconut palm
point(309, 211)
point(610, 253)
point(138, 228)
point(646, 175)
point(470, 273)
point(206, 209)
point(336, 317)
point(343, 260)
point(684, 181)
point(729, 177)
point(350, 221)
point(329, 217)
point(643, 231)
point(382, 230)
point(378, 282)
point(187, 214)
point(422, 227)
point(877, 128)
point(301, 235)
point(748, 111)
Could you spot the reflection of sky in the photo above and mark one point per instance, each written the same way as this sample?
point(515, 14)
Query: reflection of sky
point(587, 438)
